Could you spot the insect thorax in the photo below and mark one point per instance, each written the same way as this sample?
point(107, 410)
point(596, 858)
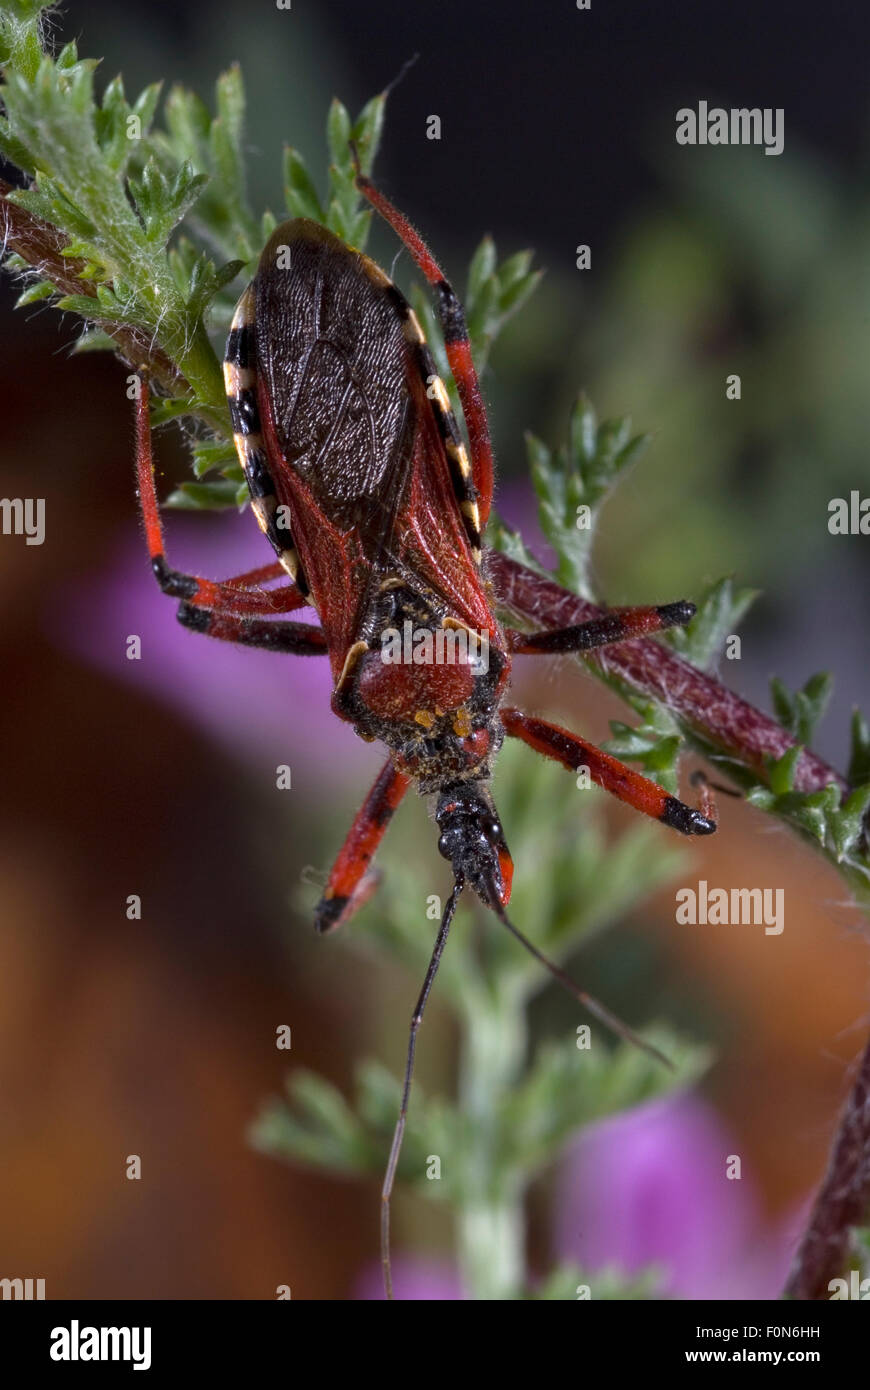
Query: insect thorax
point(426, 685)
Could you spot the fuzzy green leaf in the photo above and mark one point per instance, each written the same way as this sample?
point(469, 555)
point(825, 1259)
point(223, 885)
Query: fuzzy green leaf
point(720, 612)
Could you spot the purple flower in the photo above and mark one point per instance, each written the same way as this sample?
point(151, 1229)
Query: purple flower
point(417, 1280)
point(650, 1187)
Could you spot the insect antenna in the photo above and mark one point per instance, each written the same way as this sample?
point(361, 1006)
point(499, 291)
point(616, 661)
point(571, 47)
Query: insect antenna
point(398, 1136)
point(600, 1011)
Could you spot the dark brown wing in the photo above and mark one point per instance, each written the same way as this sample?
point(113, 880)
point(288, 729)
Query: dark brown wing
point(332, 354)
point(350, 435)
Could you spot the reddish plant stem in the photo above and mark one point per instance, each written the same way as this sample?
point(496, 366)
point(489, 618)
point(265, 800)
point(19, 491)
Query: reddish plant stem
point(722, 719)
point(843, 1201)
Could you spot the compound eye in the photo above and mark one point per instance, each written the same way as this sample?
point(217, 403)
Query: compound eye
point(492, 831)
point(444, 846)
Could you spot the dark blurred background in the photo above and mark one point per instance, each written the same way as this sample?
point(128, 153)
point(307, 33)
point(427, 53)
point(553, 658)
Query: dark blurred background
point(157, 1037)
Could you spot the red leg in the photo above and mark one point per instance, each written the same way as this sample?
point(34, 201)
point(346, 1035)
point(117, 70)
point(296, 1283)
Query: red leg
point(618, 625)
point(283, 600)
point(233, 595)
point(456, 343)
point(296, 639)
point(351, 882)
point(608, 772)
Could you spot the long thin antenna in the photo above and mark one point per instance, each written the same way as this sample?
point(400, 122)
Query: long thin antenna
point(393, 1162)
point(610, 1020)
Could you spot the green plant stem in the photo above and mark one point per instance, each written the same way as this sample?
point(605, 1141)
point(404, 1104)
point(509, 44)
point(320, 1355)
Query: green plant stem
point(199, 365)
point(491, 1219)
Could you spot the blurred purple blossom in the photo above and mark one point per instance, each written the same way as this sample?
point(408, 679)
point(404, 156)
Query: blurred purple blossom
point(650, 1187)
point(517, 506)
point(265, 707)
point(415, 1280)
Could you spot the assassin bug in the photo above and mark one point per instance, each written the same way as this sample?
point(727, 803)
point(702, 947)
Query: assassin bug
point(360, 480)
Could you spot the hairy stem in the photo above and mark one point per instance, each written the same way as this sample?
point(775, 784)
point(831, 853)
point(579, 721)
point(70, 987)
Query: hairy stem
point(843, 1201)
point(41, 245)
point(723, 720)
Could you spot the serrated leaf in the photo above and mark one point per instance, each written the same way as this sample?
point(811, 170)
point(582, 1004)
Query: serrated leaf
point(567, 1088)
point(812, 702)
point(573, 484)
point(800, 713)
point(720, 611)
point(501, 537)
point(184, 190)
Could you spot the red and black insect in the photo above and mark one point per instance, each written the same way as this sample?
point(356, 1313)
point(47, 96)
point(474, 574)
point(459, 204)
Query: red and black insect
point(361, 481)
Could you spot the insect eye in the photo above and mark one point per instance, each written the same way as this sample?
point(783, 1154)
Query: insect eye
point(492, 831)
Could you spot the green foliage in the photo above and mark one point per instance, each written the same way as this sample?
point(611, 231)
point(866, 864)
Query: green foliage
point(655, 743)
point(104, 190)
point(494, 293)
point(834, 822)
point(801, 712)
point(342, 213)
point(518, 1104)
point(573, 484)
point(587, 469)
point(154, 220)
point(721, 609)
point(563, 1090)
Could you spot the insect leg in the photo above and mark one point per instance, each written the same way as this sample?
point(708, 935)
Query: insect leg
point(608, 772)
point(297, 639)
point(235, 595)
point(456, 343)
point(352, 881)
point(618, 625)
point(398, 1136)
point(706, 797)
